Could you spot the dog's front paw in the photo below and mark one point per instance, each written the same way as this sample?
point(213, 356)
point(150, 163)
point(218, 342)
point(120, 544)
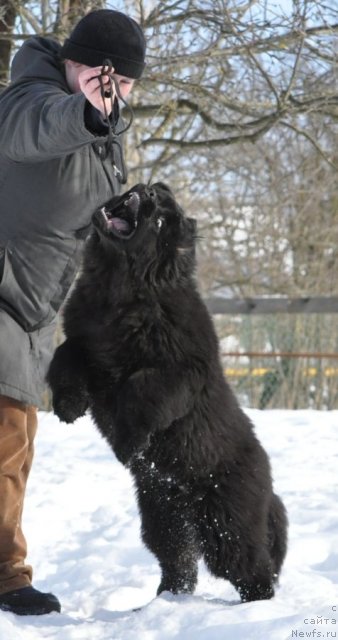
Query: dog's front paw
point(68, 408)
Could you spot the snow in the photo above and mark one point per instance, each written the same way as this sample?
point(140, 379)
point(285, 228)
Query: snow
point(82, 526)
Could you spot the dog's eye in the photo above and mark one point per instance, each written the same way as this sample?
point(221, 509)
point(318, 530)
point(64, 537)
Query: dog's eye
point(159, 222)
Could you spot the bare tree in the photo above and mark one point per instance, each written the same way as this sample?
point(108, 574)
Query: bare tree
point(229, 71)
point(272, 227)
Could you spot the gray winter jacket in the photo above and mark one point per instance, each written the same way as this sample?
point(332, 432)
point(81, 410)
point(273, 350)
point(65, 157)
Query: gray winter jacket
point(54, 173)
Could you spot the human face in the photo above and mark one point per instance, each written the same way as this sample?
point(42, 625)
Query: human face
point(74, 69)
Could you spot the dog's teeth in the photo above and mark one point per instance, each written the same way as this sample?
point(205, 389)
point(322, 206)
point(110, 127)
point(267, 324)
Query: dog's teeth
point(104, 213)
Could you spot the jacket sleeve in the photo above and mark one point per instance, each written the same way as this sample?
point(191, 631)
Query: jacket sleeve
point(40, 121)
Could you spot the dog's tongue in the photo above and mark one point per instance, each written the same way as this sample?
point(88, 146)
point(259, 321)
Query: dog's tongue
point(119, 224)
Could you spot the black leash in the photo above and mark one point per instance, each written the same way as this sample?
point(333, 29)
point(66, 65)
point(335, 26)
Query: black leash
point(113, 134)
point(106, 70)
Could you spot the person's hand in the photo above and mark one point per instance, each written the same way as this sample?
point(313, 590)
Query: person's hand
point(91, 87)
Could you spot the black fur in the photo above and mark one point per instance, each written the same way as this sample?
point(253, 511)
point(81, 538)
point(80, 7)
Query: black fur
point(142, 354)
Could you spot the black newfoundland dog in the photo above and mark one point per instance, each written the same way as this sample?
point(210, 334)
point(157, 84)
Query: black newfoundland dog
point(141, 353)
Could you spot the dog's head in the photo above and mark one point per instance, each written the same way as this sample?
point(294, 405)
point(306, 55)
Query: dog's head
point(147, 224)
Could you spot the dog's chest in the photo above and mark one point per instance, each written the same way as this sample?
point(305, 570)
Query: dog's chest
point(130, 341)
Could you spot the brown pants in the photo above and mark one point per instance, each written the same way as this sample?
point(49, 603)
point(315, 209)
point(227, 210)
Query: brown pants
point(18, 424)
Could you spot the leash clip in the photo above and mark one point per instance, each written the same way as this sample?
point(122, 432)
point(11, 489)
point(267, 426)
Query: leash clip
point(117, 171)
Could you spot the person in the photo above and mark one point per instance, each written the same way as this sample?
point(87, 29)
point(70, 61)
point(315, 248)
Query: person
point(60, 159)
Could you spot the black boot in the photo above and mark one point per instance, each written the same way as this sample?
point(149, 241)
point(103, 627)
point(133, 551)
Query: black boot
point(29, 602)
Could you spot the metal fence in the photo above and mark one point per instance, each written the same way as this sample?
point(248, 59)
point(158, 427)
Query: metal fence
point(281, 360)
point(289, 381)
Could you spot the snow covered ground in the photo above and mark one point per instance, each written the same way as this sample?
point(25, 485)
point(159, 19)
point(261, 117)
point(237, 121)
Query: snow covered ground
point(82, 526)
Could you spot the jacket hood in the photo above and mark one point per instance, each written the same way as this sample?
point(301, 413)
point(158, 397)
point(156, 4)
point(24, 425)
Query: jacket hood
point(39, 58)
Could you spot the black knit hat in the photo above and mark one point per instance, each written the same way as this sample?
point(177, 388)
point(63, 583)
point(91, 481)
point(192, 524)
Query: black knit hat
point(106, 33)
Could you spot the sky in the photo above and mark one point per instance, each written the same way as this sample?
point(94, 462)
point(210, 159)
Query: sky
point(82, 527)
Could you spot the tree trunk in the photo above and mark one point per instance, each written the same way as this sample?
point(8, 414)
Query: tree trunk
point(70, 11)
point(7, 19)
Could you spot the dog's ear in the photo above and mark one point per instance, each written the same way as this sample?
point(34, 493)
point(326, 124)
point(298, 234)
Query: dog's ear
point(188, 244)
point(192, 224)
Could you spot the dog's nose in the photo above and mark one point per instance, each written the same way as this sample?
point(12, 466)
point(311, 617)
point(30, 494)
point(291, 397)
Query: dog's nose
point(150, 193)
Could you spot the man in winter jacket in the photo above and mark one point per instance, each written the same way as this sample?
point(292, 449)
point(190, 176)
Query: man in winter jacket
point(59, 161)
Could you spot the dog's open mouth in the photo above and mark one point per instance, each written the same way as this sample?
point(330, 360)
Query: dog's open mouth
point(121, 221)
